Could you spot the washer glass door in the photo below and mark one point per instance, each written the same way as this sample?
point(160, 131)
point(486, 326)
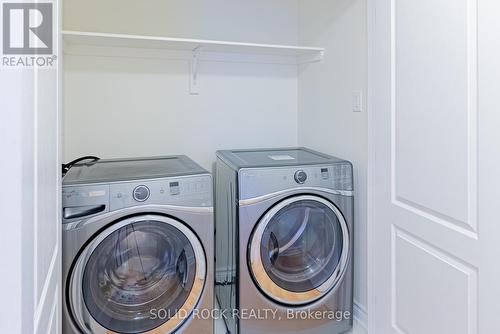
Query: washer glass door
point(299, 249)
point(140, 274)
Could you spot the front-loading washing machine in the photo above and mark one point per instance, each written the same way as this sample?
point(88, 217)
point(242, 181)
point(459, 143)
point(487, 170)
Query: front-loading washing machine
point(284, 241)
point(137, 247)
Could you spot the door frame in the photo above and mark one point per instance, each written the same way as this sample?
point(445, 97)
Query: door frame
point(372, 51)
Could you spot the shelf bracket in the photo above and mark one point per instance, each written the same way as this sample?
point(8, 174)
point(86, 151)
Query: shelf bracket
point(307, 59)
point(194, 85)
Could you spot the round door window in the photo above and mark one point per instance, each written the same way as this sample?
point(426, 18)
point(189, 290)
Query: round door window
point(299, 249)
point(143, 267)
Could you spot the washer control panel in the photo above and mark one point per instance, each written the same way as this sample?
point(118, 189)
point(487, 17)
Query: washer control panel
point(84, 201)
point(300, 176)
point(193, 191)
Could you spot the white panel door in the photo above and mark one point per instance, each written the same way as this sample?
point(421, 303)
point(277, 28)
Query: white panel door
point(435, 149)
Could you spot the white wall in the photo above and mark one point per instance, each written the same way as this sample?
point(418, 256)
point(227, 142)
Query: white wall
point(260, 21)
point(116, 107)
point(326, 122)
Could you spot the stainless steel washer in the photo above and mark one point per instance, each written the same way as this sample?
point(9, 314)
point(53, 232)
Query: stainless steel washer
point(137, 246)
point(287, 215)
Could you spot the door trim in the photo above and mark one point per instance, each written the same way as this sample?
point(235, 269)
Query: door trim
point(371, 18)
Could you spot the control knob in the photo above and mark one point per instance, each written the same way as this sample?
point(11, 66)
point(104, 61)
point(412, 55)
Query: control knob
point(300, 176)
point(141, 193)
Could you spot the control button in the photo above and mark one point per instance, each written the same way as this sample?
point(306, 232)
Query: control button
point(199, 186)
point(337, 171)
point(300, 176)
point(141, 193)
point(174, 188)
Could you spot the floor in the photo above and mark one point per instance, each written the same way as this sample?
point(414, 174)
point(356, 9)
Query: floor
point(358, 329)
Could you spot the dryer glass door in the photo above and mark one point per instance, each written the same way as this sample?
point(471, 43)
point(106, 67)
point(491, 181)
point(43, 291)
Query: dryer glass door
point(140, 273)
point(299, 249)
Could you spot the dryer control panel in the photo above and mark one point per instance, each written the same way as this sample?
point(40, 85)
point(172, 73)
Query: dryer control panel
point(255, 182)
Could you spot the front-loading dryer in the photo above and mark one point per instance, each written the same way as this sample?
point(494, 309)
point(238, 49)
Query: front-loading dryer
point(287, 216)
point(137, 247)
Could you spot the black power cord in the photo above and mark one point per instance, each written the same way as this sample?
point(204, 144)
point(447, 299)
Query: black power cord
point(67, 167)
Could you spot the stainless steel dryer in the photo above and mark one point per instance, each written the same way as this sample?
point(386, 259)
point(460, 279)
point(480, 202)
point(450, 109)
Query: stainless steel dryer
point(284, 234)
point(137, 246)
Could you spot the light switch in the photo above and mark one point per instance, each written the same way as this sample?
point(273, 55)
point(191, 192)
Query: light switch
point(357, 102)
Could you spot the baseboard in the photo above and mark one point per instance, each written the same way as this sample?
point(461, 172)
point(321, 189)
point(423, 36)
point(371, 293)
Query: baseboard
point(360, 314)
